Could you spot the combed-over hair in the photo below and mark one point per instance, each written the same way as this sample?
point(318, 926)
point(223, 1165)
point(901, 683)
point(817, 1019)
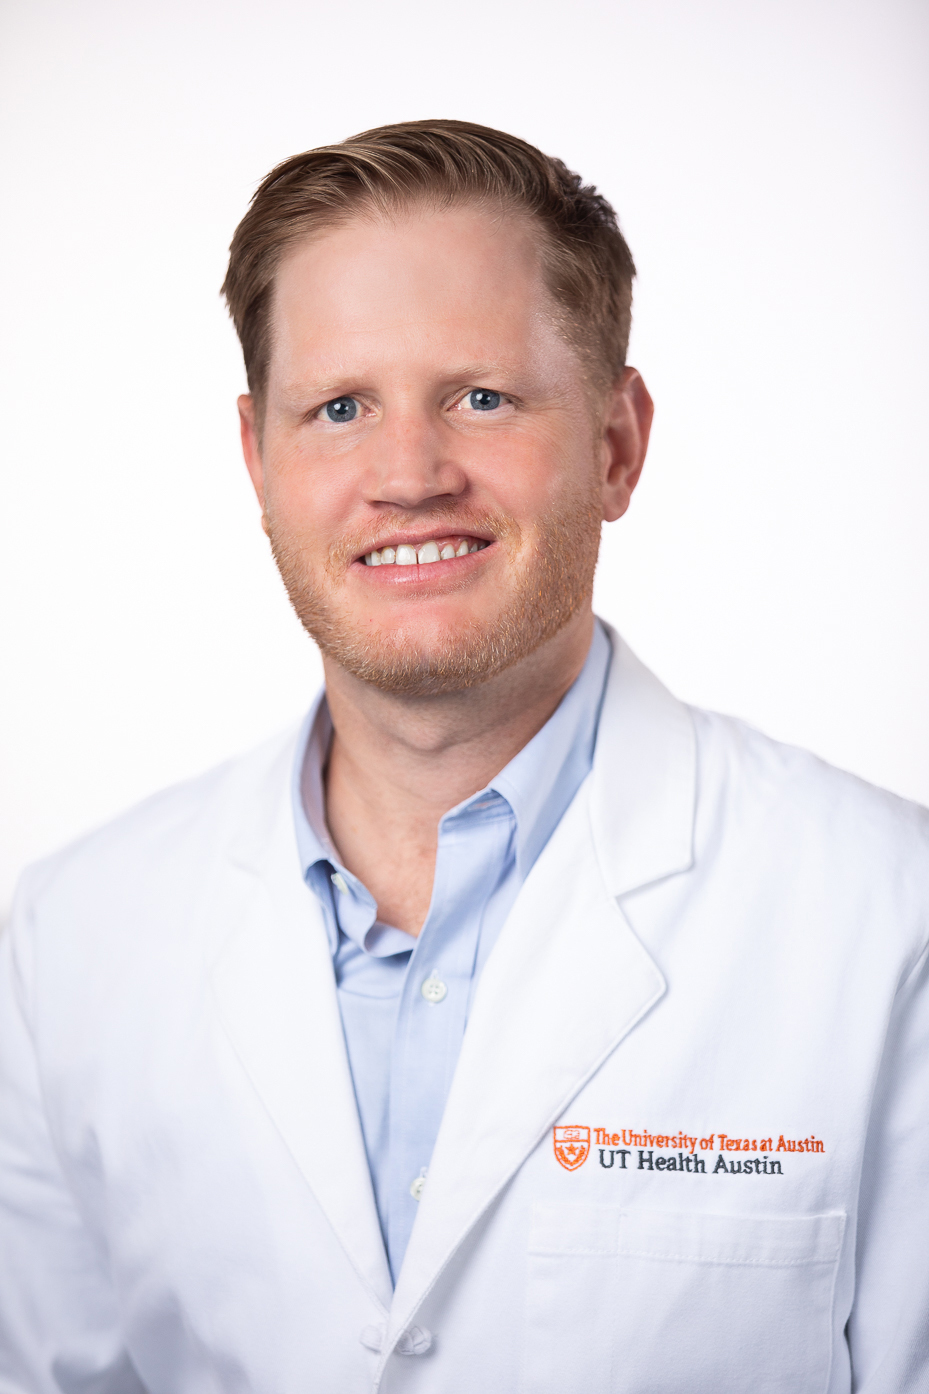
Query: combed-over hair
point(588, 266)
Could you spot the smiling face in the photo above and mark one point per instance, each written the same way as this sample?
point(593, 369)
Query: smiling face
point(433, 465)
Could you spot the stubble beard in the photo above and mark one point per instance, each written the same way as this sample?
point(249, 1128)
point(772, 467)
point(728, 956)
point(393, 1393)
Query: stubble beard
point(553, 581)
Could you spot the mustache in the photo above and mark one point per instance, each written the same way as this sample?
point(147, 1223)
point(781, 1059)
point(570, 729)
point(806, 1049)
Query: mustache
point(450, 518)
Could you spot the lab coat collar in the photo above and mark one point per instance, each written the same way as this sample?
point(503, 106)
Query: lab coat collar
point(275, 989)
point(542, 1022)
point(644, 778)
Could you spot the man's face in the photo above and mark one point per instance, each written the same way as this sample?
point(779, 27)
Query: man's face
point(433, 465)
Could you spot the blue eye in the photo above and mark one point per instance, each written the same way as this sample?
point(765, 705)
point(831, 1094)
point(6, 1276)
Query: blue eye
point(482, 400)
point(341, 409)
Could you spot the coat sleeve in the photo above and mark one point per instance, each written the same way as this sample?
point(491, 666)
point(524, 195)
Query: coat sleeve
point(59, 1328)
point(888, 1331)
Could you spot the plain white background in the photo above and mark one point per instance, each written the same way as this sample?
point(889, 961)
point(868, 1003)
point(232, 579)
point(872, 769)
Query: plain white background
point(768, 163)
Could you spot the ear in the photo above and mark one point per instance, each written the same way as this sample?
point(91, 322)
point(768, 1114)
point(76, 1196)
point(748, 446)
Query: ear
point(627, 421)
point(251, 448)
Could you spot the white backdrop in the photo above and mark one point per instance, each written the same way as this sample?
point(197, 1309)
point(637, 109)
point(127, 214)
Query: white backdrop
point(768, 161)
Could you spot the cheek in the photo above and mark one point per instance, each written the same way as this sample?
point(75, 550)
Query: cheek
point(307, 497)
point(541, 473)
point(518, 466)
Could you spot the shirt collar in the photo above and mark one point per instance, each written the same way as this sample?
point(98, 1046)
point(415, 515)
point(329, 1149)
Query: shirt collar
point(538, 784)
point(542, 779)
point(313, 744)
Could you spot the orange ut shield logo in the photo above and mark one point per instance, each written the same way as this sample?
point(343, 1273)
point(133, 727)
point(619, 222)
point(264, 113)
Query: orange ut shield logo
point(572, 1146)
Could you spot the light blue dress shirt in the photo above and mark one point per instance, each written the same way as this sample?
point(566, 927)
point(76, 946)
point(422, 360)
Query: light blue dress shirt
point(405, 1001)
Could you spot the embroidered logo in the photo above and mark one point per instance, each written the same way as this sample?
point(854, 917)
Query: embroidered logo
point(627, 1150)
point(572, 1146)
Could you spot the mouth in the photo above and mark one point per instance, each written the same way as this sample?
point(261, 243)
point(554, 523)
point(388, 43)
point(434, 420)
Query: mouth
point(424, 553)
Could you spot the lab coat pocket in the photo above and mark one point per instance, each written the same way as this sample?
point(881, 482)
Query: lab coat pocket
point(659, 1302)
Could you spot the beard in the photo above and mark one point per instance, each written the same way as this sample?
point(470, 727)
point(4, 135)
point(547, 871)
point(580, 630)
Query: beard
point(552, 581)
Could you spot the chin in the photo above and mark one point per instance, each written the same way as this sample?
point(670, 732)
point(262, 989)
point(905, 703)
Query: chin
point(451, 656)
point(447, 657)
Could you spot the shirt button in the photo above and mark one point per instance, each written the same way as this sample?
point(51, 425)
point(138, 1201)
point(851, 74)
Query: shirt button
point(417, 1186)
point(433, 989)
point(338, 880)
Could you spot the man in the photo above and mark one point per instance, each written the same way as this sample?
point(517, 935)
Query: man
point(511, 1026)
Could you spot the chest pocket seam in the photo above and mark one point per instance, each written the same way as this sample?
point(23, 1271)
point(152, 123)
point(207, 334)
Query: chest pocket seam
point(750, 1241)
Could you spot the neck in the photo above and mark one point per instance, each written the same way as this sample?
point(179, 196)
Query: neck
point(398, 763)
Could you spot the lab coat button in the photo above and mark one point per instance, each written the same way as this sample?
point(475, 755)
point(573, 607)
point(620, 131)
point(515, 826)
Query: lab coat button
point(433, 989)
point(373, 1338)
point(416, 1341)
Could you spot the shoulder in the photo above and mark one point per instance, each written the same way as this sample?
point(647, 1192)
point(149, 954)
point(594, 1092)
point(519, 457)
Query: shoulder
point(738, 763)
point(801, 820)
point(751, 822)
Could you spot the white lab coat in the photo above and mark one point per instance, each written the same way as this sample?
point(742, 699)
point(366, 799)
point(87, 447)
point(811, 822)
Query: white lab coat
point(723, 942)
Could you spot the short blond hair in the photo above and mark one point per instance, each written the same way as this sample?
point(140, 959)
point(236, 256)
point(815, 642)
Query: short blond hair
point(588, 266)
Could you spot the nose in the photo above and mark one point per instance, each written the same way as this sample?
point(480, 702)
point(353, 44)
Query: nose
point(413, 461)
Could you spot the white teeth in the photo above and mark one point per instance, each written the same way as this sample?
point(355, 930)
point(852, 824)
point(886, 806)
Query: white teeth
point(406, 555)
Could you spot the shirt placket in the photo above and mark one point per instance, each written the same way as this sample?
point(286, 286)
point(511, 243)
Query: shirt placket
point(473, 850)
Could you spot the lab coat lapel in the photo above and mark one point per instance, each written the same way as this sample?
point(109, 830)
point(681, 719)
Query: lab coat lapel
point(565, 982)
point(275, 988)
point(568, 979)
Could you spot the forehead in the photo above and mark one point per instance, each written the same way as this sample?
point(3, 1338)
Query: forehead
point(463, 276)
